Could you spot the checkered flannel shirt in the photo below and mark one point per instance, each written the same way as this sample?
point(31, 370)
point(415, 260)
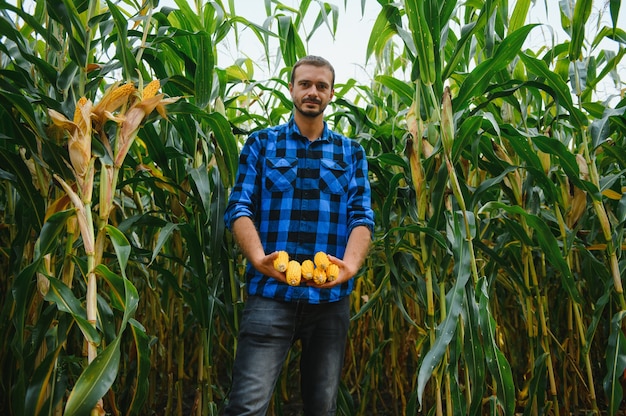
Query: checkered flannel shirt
point(304, 197)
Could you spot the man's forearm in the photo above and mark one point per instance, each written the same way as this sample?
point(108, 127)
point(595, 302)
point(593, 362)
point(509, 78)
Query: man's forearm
point(247, 238)
point(357, 248)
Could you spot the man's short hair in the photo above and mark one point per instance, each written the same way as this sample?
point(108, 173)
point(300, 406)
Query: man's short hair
point(315, 61)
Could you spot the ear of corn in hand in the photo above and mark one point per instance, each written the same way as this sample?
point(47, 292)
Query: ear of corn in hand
point(281, 261)
point(320, 269)
point(294, 273)
point(307, 269)
point(321, 260)
point(332, 272)
point(319, 276)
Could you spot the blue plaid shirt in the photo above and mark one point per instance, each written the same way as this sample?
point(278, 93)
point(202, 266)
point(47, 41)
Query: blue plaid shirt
point(303, 197)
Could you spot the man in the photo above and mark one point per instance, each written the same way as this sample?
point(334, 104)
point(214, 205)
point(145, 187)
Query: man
point(301, 188)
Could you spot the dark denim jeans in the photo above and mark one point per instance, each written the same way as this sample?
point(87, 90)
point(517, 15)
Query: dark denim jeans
point(268, 330)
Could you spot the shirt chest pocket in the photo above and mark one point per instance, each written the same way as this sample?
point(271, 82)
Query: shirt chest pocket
point(334, 177)
point(280, 173)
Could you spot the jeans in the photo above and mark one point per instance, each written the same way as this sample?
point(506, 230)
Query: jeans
point(268, 330)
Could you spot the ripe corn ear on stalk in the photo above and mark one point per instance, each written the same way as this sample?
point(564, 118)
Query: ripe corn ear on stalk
point(321, 260)
point(307, 269)
point(281, 261)
point(294, 273)
point(332, 272)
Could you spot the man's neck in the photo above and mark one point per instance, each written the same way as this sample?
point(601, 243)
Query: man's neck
point(310, 127)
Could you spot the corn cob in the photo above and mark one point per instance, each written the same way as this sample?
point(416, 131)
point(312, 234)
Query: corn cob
point(294, 273)
point(307, 269)
point(319, 276)
point(281, 261)
point(332, 272)
point(321, 260)
point(151, 89)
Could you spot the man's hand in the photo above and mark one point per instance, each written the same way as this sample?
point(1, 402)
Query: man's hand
point(266, 266)
point(345, 274)
point(356, 250)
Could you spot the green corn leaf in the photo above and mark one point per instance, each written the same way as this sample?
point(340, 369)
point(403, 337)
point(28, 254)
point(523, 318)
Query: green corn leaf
point(447, 329)
point(65, 300)
point(164, 235)
point(142, 348)
point(600, 305)
point(51, 231)
point(615, 363)
point(537, 388)
point(423, 40)
point(405, 91)
point(519, 15)
point(600, 129)
point(567, 161)
point(94, 381)
point(37, 393)
point(219, 200)
point(288, 40)
point(116, 285)
point(497, 364)
point(477, 81)
point(202, 186)
point(546, 240)
point(614, 8)
point(124, 52)
point(121, 246)
point(22, 179)
point(190, 15)
point(582, 11)
point(385, 26)
point(228, 145)
point(473, 352)
point(123, 293)
point(203, 79)
point(390, 199)
point(561, 93)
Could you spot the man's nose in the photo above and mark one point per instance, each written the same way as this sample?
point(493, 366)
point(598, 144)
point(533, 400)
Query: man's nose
point(313, 90)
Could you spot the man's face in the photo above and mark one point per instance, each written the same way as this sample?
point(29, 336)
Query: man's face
point(311, 90)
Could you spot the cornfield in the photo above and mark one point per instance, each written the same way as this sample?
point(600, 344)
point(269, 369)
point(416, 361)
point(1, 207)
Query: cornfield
point(495, 280)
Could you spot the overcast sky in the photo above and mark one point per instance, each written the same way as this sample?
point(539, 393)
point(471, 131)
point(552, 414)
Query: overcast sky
point(347, 51)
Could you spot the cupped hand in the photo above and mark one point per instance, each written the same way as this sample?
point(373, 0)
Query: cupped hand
point(266, 266)
point(345, 274)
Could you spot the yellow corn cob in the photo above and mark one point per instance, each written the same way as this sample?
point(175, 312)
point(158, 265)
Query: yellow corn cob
point(281, 261)
point(319, 276)
point(321, 260)
point(77, 114)
point(151, 89)
point(307, 269)
point(294, 273)
point(119, 96)
point(332, 272)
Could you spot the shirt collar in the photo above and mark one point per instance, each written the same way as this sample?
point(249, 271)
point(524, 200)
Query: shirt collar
point(294, 129)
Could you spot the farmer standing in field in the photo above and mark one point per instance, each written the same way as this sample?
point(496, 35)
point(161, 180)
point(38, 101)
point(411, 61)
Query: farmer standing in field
point(300, 188)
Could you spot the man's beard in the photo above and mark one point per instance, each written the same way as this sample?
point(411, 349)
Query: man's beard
point(310, 113)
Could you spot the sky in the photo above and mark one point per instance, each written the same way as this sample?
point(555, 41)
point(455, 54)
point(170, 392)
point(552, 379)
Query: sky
point(347, 51)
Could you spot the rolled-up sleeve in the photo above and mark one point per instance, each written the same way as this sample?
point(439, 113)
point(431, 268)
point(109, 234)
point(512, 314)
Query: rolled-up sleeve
point(244, 196)
point(360, 211)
